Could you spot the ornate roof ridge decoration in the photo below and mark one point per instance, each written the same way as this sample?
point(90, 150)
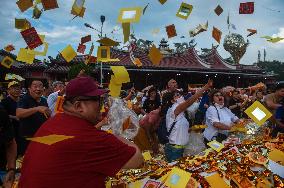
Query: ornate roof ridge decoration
point(227, 64)
point(200, 60)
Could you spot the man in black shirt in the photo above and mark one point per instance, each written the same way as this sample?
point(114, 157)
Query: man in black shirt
point(33, 111)
point(8, 147)
point(10, 105)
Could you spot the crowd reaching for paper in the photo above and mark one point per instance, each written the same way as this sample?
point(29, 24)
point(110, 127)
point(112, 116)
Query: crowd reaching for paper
point(82, 132)
point(81, 127)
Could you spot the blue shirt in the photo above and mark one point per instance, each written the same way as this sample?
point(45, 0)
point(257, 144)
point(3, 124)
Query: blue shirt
point(204, 100)
point(280, 114)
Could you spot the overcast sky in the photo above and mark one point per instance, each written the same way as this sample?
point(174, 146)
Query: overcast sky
point(60, 30)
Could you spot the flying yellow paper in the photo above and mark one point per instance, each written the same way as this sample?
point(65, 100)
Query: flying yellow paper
point(129, 15)
point(126, 31)
point(184, 11)
point(147, 156)
point(22, 24)
point(155, 55)
point(77, 7)
point(24, 56)
point(114, 87)
point(216, 181)
point(272, 39)
point(10, 76)
point(50, 139)
point(120, 74)
point(275, 40)
point(81, 14)
point(7, 62)
point(177, 178)
point(258, 113)
point(68, 53)
point(43, 53)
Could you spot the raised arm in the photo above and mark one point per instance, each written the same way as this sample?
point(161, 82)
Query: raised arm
point(183, 106)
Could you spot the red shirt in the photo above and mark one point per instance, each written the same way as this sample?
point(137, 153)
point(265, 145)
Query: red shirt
point(80, 162)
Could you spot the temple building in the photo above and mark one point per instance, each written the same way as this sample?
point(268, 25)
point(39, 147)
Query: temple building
point(182, 64)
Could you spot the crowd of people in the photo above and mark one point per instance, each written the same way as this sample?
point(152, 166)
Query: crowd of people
point(166, 118)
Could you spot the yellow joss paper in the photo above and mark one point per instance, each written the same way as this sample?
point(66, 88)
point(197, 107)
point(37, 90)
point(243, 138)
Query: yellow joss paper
point(120, 74)
point(50, 139)
point(216, 181)
point(7, 62)
point(136, 184)
point(155, 55)
point(277, 156)
point(177, 178)
point(147, 156)
point(81, 14)
point(103, 109)
point(184, 11)
point(258, 113)
point(22, 24)
point(217, 146)
point(68, 53)
point(42, 53)
point(129, 15)
point(114, 88)
point(77, 7)
point(126, 31)
point(24, 56)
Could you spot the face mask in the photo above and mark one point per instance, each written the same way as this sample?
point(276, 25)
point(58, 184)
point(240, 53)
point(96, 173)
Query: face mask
point(221, 106)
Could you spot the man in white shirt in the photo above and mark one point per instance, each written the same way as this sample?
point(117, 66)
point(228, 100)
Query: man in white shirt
point(58, 90)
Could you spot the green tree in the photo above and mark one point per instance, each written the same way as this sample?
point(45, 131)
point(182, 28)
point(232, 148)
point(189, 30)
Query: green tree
point(274, 66)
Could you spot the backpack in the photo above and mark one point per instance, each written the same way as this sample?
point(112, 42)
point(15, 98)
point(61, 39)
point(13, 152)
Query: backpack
point(162, 132)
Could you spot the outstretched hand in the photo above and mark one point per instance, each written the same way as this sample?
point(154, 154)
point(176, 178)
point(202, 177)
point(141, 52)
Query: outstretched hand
point(209, 84)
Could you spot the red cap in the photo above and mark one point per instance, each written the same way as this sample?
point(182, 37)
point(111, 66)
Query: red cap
point(83, 86)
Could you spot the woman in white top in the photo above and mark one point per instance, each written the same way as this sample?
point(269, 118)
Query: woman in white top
point(174, 106)
point(219, 119)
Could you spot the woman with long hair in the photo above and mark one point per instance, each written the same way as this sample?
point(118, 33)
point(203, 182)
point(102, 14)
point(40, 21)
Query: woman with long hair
point(153, 100)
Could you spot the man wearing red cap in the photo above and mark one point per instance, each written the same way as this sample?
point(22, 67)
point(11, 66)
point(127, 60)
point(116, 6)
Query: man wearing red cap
point(88, 156)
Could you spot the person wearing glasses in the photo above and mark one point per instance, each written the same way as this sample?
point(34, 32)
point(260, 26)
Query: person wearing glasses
point(88, 156)
point(219, 119)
